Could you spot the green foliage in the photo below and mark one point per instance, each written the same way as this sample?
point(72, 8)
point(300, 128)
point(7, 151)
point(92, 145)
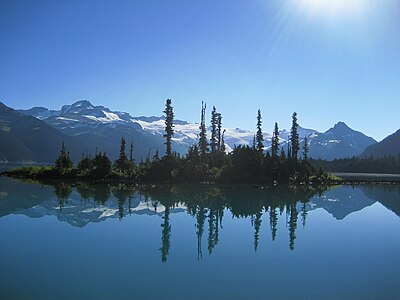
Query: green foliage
point(169, 126)
point(275, 143)
point(259, 136)
point(215, 135)
point(34, 171)
point(63, 163)
point(223, 149)
point(85, 166)
point(388, 164)
point(294, 137)
point(306, 148)
point(101, 166)
point(124, 168)
point(203, 144)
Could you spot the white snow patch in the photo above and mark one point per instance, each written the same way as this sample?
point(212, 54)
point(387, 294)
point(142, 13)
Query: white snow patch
point(108, 213)
point(66, 119)
point(109, 118)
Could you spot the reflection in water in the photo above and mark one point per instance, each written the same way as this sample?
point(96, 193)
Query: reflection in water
point(63, 192)
point(166, 235)
point(206, 204)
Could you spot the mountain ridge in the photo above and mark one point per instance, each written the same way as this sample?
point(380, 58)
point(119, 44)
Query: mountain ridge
point(389, 146)
point(94, 123)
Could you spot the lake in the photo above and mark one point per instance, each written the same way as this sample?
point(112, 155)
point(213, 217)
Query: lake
point(61, 241)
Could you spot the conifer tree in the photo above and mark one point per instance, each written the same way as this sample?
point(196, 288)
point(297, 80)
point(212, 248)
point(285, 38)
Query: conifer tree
point(289, 151)
point(169, 126)
point(63, 162)
point(85, 165)
point(131, 153)
point(275, 142)
point(283, 155)
point(219, 128)
point(259, 135)
point(203, 144)
point(294, 136)
point(101, 165)
point(223, 148)
point(121, 163)
point(305, 148)
point(214, 133)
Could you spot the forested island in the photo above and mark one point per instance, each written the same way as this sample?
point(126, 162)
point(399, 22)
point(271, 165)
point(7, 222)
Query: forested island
point(206, 161)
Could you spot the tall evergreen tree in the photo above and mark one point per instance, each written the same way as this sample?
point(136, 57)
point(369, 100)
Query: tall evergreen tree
point(203, 144)
point(259, 135)
point(101, 165)
point(219, 128)
point(214, 133)
point(85, 166)
point(63, 162)
point(294, 136)
point(131, 154)
point(121, 163)
point(305, 148)
point(169, 126)
point(223, 148)
point(275, 142)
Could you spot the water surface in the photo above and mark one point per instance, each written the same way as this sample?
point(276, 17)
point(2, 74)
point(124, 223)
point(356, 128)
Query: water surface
point(60, 241)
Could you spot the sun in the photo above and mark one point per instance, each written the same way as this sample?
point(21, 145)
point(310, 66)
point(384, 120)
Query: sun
point(333, 8)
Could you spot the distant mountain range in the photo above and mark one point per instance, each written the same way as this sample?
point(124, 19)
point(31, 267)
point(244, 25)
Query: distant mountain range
point(25, 138)
point(87, 128)
point(388, 146)
point(339, 142)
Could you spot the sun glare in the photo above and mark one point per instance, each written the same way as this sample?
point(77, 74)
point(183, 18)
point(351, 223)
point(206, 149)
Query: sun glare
point(333, 8)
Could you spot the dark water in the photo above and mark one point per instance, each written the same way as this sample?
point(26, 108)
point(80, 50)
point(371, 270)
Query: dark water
point(114, 242)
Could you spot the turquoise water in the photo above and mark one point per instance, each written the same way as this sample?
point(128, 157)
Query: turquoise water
point(196, 242)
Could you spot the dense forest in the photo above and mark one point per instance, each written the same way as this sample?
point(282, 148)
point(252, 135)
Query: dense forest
point(206, 161)
point(388, 164)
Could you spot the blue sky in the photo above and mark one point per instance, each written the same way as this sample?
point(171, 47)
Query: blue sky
point(328, 60)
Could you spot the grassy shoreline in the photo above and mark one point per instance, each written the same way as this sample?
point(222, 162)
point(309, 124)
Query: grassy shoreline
point(48, 173)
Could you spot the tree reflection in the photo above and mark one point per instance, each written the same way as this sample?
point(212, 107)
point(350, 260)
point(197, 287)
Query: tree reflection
point(206, 204)
point(292, 225)
point(62, 190)
point(273, 221)
point(123, 193)
point(101, 193)
point(85, 190)
point(166, 235)
point(200, 218)
point(257, 225)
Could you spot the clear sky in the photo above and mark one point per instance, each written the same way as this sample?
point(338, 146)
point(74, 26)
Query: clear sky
point(328, 60)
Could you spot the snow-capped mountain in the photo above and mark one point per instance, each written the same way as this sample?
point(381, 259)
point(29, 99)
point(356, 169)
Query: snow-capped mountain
point(102, 128)
point(83, 118)
point(339, 141)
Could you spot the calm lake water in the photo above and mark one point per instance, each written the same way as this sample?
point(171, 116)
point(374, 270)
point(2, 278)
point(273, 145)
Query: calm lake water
point(114, 242)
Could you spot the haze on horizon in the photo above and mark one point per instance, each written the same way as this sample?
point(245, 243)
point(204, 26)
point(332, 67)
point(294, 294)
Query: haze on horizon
point(330, 62)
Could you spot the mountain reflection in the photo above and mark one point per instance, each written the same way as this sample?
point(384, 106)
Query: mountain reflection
point(84, 203)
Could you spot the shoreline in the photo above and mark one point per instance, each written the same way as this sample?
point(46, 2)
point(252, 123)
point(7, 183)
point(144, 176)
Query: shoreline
point(388, 180)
